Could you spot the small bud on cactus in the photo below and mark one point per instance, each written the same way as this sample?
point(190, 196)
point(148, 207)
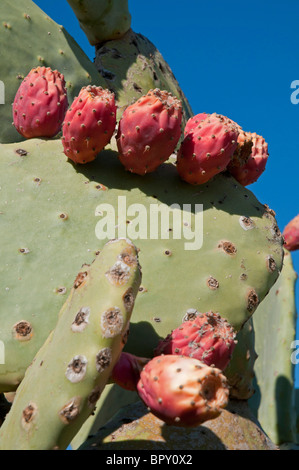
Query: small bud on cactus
point(89, 124)
point(249, 172)
point(208, 337)
point(126, 372)
point(40, 103)
point(291, 234)
point(182, 391)
point(149, 131)
point(207, 148)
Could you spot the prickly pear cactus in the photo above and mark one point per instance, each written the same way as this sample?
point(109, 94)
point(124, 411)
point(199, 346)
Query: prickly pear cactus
point(274, 323)
point(240, 250)
point(77, 358)
point(131, 66)
point(29, 38)
point(133, 428)
point(102, 21)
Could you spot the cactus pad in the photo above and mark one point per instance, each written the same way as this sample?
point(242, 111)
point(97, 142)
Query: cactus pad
point(52, 214)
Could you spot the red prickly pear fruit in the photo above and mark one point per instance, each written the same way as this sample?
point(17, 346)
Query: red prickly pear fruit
point(89, 124)
point(291, 234)
point(126, 372)
point(40, 103)
point(149, 131)
point(182, 391)
point(208, 337)
point(194, 122)
point(207, 149)
point(249, 172)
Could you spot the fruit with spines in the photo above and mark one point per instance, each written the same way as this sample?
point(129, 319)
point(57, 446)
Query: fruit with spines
point(126, 372)
point(33, 40)
point(65, 380)
point(207, 149)
point(194, 122)
point(89, 124)
point(182, 391)
point(291, 234)
point(148, 131)
point(40, 103)
point(206, 337)
point(255, 154)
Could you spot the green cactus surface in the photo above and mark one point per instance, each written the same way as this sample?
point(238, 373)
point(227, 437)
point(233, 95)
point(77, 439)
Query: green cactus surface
point(131, 66)
point(240, 370)
point(274, 324)
point(69, 372)
point(29, 38)
point(134, 428)
point(54, 214)
point(102, 20)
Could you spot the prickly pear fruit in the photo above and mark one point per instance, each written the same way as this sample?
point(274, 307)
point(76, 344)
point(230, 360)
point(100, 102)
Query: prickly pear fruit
point(207, 337)
point(89, 124)
point(195, 121)
point(182, 391)
point(207, 149)
point(40, 103)
point(149, 131)
point(291, 234)
point(249, 172)
point(126, 372)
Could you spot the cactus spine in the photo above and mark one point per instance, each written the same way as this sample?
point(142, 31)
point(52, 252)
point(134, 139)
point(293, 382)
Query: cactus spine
point(68, 374)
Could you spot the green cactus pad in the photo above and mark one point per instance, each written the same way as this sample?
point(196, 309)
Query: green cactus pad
point(132, 66)
point(240, 370)
point(102, 20)
point(274, 324)
point(29, 38)
point(67, 376)
point(134, 428)
point(50, 216)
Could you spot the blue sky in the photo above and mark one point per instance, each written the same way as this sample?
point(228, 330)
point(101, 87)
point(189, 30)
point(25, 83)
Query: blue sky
point(234, 58)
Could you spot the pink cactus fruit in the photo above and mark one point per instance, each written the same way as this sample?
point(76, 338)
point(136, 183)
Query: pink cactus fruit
point(149, 131)
point(194, 122)
point(89, 124)
point(182, 391)
point(207, 149)
point(291, 234)
point(249, 172)
point(40, 103)
point(126, 372)
point(207, 337)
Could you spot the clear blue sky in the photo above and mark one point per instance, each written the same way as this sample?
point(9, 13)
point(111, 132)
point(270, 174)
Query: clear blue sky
point(234, 58)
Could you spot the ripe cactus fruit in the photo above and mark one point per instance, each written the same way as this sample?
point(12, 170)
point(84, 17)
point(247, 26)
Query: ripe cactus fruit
point(207, 149)
point(206, 337)
point(291, 234)
point(126, 372)
point(149, 131)
point(182, 391)
point(68, 374)
point(254, 151)
point(195, 121)
point(89, 124)
point(40, 103)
